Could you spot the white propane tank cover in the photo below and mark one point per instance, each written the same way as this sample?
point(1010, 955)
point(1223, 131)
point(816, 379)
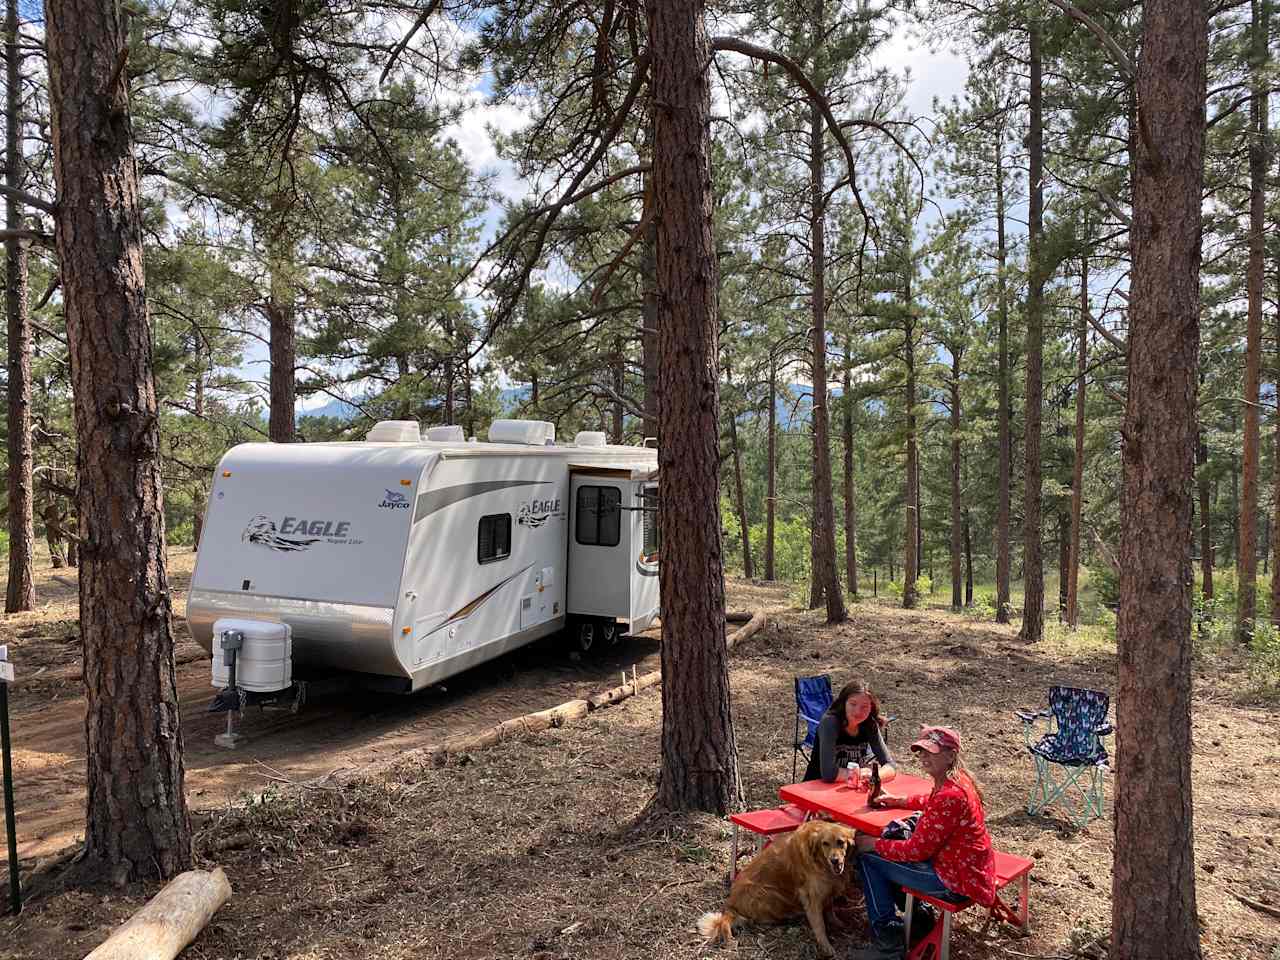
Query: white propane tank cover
point(394, 431)
point(535, 433)
point(590, 438)
point(452, 434)
point(264, 663)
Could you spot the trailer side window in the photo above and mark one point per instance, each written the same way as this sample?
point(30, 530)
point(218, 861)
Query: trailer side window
point(599, 516)
point(495, 538)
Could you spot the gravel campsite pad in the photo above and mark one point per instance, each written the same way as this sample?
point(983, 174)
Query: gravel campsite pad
point(543, 848)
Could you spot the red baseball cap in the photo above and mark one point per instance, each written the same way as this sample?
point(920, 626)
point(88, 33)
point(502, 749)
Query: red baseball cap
point(935, 739)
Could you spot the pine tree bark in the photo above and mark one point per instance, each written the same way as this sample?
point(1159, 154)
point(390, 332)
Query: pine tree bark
point(1077, 469)
point(699, 751)
point(826, 575)
point(771, 483)
point(21, 591)
point(136, 825)
point(850, 490)
point(1247, 588)
point(1153, 882)
point(283, 353)
point(1206, 517)
point(968, 561)
point(619, 384)
point(957, 533)
point(1275, 504)
point(911, 539)
point(1002, 415)
point(1032, 629)
point(744, 522)
point(649, 317)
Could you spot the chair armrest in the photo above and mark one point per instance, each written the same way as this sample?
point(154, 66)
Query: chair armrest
point(1104, 729)
point(1029, 722)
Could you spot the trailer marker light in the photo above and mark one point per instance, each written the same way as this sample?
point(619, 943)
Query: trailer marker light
point(226, 473)
point(406, 483)
point(405, 631)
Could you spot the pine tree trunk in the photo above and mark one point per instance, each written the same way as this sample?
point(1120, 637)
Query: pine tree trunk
point(850, 490)
point(771, 496)
point(1077, 469)
point(968, 562)
point(1005, 467)
point(826, 574)
point(21, 591)
point(744, 522)
point(136, 825)
point(649, 318)
point(1235, 498)
point(1153, 882)
point(619, 383)
point(957, 533)
point(1206, 516)
point(1064, 563)
point(284, 361)
point(911, 540)
point(1032, 629)
point(699, 752)
point(1247, 589)
point(1275, 503)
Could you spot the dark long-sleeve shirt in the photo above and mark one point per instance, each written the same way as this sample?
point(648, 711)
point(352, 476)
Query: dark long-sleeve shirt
point(834, 747)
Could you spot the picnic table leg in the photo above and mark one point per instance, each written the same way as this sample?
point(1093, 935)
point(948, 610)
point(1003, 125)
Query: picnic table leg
point(946, 936)
point(1024, 892)
point(733, 855)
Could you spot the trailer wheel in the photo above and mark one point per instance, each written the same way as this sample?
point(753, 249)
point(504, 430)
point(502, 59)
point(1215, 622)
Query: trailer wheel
point(609, 633)
point(584, 636)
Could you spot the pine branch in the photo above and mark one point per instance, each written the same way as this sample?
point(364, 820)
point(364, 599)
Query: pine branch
point(31, 201)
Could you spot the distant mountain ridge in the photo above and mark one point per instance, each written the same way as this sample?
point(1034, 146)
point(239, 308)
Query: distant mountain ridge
point(793, 408)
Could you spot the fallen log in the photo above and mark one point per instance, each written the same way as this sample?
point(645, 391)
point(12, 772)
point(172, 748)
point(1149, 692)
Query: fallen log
point(529, 723)
point(170, 920)
point(741, 617)
point(754, 626)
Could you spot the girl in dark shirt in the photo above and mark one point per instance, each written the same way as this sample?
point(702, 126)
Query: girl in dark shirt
point(851, 731)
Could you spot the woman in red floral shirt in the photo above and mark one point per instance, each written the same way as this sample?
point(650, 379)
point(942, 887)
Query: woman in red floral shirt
point(948, 855)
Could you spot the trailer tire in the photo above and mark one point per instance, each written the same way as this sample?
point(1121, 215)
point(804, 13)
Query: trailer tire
point(610, 633)
point(582, 637)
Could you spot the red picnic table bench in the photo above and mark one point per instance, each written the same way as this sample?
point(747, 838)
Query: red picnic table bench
point(850, 807)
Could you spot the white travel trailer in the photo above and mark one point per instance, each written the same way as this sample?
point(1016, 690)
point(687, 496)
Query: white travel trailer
point(405, 560)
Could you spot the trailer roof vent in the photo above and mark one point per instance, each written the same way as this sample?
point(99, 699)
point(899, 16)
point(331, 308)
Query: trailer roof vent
point(590, 438)
point(535, 433)
point(394, 431)
point(453, 434)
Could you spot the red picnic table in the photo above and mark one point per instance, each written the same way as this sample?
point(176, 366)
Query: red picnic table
point(850, 806)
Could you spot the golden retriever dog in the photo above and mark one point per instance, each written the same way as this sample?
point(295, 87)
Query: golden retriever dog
point(800, 872)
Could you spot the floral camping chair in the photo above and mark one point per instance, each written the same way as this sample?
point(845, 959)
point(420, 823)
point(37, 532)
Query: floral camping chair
point(1070, 759)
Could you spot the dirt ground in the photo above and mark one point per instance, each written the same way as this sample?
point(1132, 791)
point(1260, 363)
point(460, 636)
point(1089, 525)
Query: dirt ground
point(541, 848)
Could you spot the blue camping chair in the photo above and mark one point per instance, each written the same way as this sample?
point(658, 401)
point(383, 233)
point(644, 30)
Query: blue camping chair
point(1070, 758)
point(813, 697)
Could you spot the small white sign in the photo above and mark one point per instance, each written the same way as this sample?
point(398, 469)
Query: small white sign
point(4, 651)
point(6, 672)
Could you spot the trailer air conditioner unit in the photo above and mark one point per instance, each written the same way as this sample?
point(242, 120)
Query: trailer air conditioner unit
point(590, 438)
point(452, 434)
point(394, 431)
point(534, 433)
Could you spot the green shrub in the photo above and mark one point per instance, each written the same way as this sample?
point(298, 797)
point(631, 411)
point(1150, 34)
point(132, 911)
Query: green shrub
point(1105, 584)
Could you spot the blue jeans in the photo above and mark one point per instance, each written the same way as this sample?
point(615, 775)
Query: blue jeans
point(882, 881)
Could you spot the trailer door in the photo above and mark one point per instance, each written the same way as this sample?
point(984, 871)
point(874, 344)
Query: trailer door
point(600, 546)
point(644, 572)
